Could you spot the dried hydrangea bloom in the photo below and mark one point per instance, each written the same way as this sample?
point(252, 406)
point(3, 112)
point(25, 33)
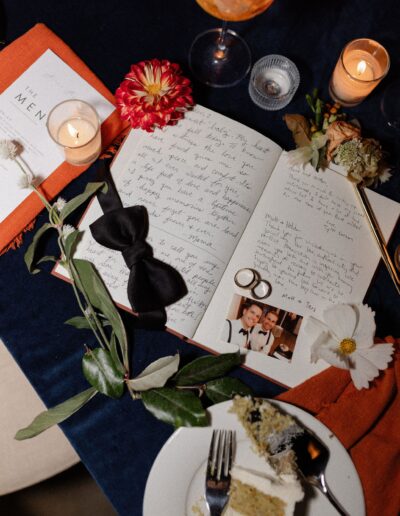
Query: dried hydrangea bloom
point(362, 160)
point(154, 94)
point(339, 132)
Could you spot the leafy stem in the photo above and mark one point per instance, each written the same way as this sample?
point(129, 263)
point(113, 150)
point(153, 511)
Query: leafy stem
point(84, 312)
point(201, 388)
point(29, 177)
point(134, 394)
point(92, 316)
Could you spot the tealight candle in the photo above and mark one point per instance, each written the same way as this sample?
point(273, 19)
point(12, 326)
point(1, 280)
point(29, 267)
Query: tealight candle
point(363, 63)
point(273, 82)
point(74, 125)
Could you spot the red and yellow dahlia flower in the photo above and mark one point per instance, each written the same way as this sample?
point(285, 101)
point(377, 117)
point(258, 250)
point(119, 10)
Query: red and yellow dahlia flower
point(154, 94)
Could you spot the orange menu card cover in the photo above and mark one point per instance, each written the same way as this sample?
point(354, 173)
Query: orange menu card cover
point(14, 60)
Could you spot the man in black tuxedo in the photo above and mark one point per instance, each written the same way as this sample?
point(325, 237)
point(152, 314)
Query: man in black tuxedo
point(262, 338)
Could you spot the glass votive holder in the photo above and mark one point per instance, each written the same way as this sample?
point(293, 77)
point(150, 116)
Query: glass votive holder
point(75, 127)
point(362, 64)
point(273, 82)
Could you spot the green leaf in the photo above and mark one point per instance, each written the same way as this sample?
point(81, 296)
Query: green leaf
point(30, 253)
point(318, 112)
point(89, 280)
point(73, 204)
point(156, 374)
point(55, 415)
point(70, 241)
point(224, 389)
point(79, 322)
point(101, 372)
point(177, 408)
point(47, 259)
point(207, 368)
point(115, 354)
point(310, 102)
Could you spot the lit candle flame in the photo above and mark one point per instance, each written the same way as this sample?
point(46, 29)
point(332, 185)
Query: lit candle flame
point(72, 131)
point(361, 67)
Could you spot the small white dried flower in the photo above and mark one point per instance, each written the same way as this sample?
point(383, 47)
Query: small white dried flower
point(8, 149)
point(25, 181)
point(60, 203)
point(300, 156)
point(67, 229)
point(385, 175)
point(88, 312)
point(303, 155)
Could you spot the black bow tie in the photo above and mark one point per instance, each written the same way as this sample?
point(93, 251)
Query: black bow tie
point(263, 332)
point(245, 332)
point(152, 284)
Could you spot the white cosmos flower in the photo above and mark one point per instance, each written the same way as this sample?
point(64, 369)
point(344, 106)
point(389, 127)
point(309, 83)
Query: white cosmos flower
point(8, 149)
point(346, 339)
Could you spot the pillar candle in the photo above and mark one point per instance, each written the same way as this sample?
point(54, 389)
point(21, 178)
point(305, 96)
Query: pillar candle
point(362, 65)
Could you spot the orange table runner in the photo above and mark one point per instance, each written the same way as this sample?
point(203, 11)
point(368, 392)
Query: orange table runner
point(367, 422)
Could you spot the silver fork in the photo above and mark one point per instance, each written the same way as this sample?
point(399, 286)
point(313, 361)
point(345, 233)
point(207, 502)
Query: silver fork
point(218, 477)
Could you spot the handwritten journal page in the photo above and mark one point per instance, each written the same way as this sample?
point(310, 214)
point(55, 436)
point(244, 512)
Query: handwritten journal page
point(200, 181)
point(308, 237)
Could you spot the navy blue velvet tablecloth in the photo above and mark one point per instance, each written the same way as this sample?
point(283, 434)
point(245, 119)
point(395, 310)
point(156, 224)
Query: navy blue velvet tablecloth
point(118, 440)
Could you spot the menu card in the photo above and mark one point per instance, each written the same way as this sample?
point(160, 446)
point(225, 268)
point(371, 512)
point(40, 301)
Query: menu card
point(24, 107)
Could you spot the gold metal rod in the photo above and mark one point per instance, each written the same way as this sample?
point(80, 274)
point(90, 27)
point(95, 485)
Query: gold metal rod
point(376, 231)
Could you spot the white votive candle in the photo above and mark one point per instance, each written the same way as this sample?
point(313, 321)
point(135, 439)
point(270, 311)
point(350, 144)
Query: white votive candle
point(80, 139)
point(273, 82)
point(361, 66)
point(74, 125)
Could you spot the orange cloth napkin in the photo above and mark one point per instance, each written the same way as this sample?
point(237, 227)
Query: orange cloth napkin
point(367, 422)
point(14, 60)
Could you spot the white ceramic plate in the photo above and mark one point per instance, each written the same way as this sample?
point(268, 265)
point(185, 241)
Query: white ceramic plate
point(176, 480)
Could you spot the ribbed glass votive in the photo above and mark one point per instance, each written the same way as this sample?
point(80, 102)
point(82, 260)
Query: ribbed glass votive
point(273, 82)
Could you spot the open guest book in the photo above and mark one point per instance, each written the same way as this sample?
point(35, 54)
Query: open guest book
point(222, 197)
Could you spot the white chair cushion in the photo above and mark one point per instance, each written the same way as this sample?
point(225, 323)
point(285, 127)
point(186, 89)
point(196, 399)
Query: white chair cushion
point(24, 463)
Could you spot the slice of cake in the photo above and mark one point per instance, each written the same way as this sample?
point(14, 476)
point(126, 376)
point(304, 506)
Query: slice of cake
point(270, 431)
point(255, 494)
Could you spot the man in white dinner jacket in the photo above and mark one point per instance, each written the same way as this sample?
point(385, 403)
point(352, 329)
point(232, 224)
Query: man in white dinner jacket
point(262, 338)
point(238, 331)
